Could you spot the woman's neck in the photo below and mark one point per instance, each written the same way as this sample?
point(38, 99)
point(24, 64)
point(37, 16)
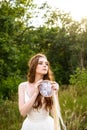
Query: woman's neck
point(37, 78)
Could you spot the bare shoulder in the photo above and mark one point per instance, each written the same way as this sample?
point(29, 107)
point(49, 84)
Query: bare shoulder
point(22, 85)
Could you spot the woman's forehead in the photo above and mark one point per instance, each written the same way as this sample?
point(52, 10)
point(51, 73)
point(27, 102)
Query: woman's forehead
point(43, 59)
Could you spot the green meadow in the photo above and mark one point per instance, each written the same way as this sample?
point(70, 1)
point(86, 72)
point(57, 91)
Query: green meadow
point(73, 109)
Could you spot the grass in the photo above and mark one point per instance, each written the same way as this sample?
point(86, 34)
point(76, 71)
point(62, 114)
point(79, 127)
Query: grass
point(73, 108)
point(10, 117)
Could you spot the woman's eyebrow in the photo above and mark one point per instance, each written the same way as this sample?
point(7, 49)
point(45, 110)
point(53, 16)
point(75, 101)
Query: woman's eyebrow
point(46, 61)
point(40, 61)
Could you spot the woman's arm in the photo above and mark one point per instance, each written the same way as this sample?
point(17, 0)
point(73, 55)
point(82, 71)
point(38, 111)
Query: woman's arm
point(55, 102)
point(24, 108)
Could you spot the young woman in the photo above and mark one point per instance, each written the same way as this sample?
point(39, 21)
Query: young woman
point(36, 108)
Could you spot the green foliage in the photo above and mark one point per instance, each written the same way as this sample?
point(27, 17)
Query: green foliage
point(79, 78)
point(61, 39)
point(59, 54)
point(9, 87)
point(74, 108)
point(19, 41)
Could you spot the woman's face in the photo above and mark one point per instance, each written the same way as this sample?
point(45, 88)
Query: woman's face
point(42, 66)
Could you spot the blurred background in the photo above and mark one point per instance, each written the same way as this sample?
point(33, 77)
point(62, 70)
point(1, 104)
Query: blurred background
point(57, 29)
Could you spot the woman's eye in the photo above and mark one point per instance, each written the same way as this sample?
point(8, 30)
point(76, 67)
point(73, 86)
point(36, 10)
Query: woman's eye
point(47, 64)
point(40, 63)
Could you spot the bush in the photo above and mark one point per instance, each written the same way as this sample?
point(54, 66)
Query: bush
point(79, 80)
point(9, 87)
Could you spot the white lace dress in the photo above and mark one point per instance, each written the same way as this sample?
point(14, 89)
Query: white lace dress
point(37, 119)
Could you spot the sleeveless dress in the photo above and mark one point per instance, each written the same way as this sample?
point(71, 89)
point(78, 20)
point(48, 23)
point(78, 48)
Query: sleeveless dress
point(37, 119)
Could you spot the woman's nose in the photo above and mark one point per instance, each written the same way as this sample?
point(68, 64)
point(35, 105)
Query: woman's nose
point(44, 64)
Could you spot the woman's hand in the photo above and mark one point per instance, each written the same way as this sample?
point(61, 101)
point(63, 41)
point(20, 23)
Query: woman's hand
point(55, 86)
point(37, 86)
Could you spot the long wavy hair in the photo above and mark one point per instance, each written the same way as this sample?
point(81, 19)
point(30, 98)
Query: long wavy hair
point(32, 64)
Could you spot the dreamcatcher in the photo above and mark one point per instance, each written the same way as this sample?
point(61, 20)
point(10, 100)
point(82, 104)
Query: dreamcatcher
point(46, 91)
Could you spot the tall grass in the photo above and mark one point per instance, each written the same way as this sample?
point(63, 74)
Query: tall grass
point(73, 108)
point(10, 118)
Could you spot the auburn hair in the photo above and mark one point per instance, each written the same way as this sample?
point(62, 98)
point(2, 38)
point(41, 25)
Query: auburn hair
point(32, 64)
